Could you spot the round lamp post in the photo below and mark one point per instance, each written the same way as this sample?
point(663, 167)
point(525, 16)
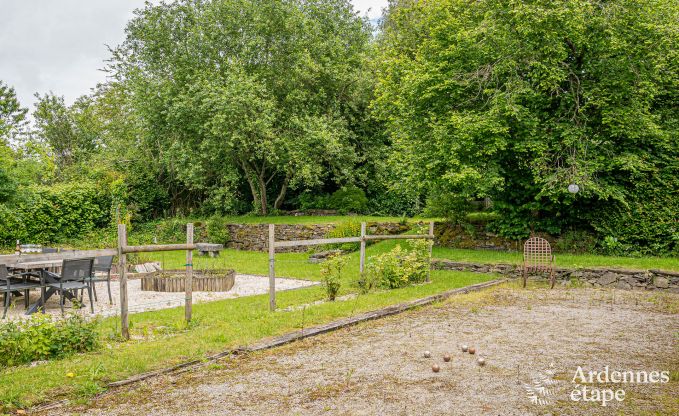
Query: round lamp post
point(573, 188)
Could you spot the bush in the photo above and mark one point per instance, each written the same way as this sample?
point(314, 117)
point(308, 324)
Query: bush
point(574, 241)
point(349, 199)
point(43, 337)
point(217, 232)
point(51, 214)
point(399, 267)
point(331, 271)
point(345, 229)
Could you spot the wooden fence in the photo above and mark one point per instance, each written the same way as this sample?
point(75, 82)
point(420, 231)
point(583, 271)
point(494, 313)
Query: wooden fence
point(122, 250)
point(273, 244)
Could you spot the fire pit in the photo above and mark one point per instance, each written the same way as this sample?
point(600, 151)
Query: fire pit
point(175, 281)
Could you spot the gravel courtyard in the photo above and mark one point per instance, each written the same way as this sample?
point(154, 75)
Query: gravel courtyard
point(532, 340)
point(141, 301)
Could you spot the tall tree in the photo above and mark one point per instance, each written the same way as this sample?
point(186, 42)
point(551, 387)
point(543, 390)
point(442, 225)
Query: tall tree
point(262, 90)
point(12, 114)
point(516, 100)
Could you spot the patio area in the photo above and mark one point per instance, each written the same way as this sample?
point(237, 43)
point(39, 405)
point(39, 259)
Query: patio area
point(140, 301)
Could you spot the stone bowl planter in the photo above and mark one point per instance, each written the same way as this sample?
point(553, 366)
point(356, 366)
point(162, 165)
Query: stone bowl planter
point(175, 281)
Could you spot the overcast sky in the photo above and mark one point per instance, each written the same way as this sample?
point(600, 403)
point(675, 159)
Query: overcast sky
point(59, 45)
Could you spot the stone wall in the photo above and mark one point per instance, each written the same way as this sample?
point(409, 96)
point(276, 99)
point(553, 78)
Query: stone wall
point(474, 237)
point(255, 237)
point(613, 278)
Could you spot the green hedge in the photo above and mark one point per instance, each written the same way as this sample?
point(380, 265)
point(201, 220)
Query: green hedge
point(41, 215)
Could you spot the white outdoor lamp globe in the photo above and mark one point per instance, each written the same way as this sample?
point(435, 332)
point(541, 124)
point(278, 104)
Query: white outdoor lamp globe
point(573, 188)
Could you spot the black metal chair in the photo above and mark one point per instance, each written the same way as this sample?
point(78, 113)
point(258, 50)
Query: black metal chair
point(102, 265)
point(17, 282)
point(74, 276)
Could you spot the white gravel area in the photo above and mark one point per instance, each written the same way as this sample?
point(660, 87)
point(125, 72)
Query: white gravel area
point(378, 368)
point(140, 301)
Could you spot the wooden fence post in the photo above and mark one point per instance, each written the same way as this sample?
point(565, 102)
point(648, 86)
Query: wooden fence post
point(431, 246)
point(122, 277)
point(362, 263)
point(272, 270)
point(188, 290)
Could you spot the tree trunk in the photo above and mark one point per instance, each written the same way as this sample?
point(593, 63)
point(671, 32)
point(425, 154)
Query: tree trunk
point(262, 194)
point(281, 195)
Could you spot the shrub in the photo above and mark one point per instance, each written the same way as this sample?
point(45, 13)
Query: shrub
point(574, 241)
point(345, 229)
point(50, 214)
point(331, 271)
point(349, 199)
point(399, 267)
point(217, 232)
point(43, 337)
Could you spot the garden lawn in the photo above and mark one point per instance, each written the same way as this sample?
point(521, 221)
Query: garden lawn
point(160, 339)
point(561, 260)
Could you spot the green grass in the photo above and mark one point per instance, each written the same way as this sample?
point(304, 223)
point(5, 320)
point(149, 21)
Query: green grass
point(160, 339)
point(561, 260)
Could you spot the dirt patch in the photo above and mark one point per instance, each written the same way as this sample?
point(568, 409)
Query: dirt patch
point(532, 340)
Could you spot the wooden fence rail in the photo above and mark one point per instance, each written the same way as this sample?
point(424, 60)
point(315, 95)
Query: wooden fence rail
point(121, 251)
point(273, 244)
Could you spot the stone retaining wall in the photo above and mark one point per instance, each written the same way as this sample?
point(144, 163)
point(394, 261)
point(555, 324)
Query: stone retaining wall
point(614, 278)
point(255, 237)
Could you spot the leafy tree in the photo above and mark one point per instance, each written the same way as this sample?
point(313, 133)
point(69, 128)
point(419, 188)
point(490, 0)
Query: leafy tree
point(64, 128)
point(268, 92)
point(12, 115)
point(514, 100)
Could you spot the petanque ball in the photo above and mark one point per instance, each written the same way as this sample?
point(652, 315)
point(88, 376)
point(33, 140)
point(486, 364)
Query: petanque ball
point(472, 350)
point(435, 368)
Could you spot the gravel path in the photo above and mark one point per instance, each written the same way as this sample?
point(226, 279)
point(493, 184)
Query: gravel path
point(377, 368)
point(140, 301)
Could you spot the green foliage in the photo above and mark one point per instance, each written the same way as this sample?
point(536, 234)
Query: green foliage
point(207, 97)
point(349, 199)
point(398, 267)
point(575, 241)
point(217, 232)
point(12, 115)
point(587, 95)
point(43, 337)
point(50, 214)
point(331, 273)
point(351, 228)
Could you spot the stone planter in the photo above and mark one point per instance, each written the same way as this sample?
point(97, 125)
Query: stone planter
point(175, 281)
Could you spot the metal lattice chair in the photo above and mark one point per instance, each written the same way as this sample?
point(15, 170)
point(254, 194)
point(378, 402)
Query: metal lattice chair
point(74, 276)
point(538, 258)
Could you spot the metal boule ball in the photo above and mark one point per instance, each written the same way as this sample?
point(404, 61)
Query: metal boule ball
point(427, 354)
point(446, 357)
point(465, 348)
point(472, 350)
point(481, 361)
point(435, 368)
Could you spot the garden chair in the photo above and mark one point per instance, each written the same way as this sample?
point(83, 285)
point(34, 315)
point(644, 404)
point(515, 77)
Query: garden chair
point(538, 258)
point(102, 265)
point(74, 276)
point(12, 283)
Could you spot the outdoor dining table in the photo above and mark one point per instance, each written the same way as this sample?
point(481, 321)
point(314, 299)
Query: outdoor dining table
point(42, 267)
